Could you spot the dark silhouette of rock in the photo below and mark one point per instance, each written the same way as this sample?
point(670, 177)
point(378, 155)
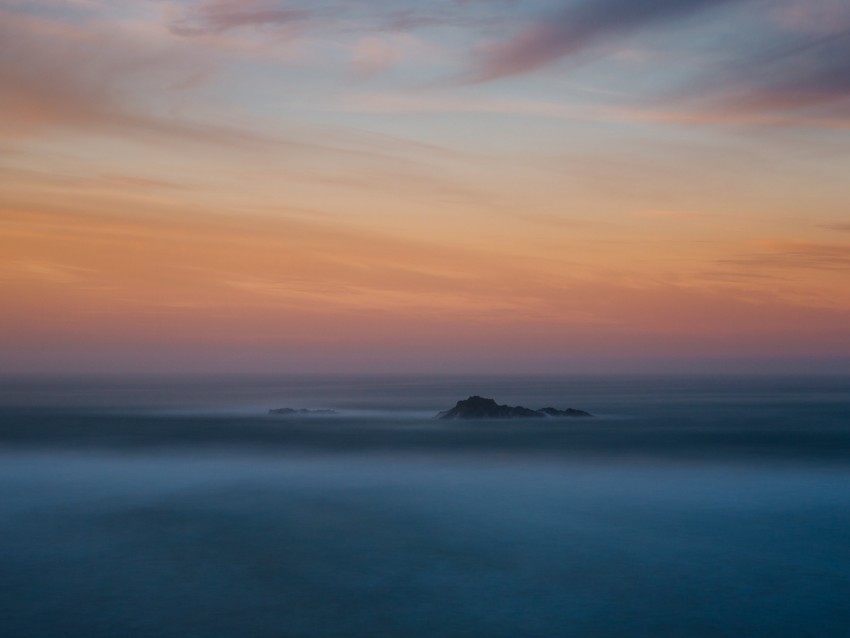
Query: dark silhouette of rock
point(302, 412)
point(476, 407)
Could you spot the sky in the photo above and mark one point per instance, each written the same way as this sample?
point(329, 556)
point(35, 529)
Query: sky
point(429, 186)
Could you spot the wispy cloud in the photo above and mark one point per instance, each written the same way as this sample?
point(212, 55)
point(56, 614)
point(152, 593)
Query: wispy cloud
point(576, 28)
point(217, 16)
point(841, 227)
point(136, 182)
point(340, 16)
point(106, 78)
point(797, 255)
point(44, 271)
point(796, 72)
point(665, 214)
point(372, 56)
point(62, 74)
point(803, 81)
point(815, 17)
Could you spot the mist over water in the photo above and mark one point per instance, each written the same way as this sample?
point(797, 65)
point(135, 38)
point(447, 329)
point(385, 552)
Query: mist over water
point(695, 506)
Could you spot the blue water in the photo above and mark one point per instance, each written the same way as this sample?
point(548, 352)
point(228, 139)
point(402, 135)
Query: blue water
point(688, 507)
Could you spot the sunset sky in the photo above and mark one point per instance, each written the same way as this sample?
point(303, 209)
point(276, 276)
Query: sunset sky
point(444, 185)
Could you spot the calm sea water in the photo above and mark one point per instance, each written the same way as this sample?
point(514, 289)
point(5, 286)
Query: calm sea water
point(688, 507)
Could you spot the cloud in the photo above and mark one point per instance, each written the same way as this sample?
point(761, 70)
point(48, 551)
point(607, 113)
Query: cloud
point(85, 76)
point(45, 271)
point(839, 226)
point(217, 16)
point(792, 77)
point(814, 16)
point(134, 182)
point(795, 70)
point(665, 214)
point(445, 13)
point(805, 75)
point(339, 17)
point(372, 56)
point(577, 28)
point(112, 78)
point(411, 19)
point(797, 255)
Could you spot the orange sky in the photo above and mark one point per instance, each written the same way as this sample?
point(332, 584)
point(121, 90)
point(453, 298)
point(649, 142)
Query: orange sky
point(188, 187)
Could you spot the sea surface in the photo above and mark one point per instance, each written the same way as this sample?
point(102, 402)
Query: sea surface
point(687, 507)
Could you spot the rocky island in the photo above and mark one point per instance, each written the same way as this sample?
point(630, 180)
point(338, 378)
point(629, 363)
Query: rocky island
point(476, 407)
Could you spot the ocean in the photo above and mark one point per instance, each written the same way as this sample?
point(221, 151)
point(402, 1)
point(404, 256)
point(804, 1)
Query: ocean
point(688, 507)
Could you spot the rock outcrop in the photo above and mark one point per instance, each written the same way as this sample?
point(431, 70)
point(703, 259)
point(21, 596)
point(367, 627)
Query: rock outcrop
point(476, 407)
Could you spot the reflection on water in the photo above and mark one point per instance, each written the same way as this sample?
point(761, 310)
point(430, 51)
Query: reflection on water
point(702, 510)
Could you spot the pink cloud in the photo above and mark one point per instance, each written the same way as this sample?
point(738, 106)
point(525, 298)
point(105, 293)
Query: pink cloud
point(372, 55)
point(84, 76)
point(576, 28)
point(217, 16)
point(818, 17)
